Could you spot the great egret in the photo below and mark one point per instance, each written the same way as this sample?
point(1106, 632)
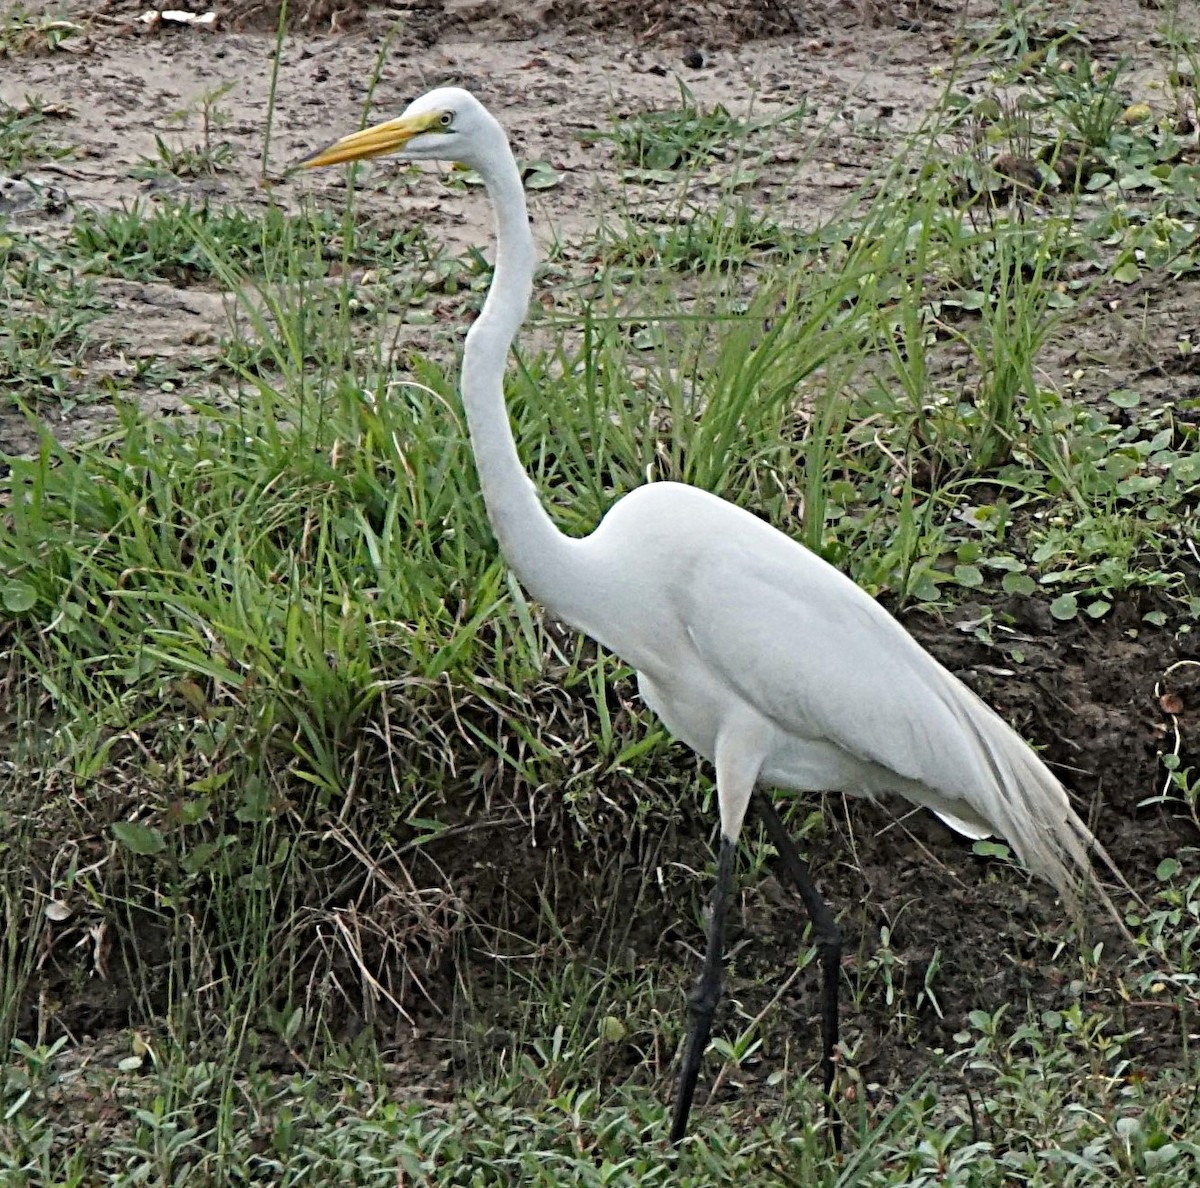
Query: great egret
point(753, 651)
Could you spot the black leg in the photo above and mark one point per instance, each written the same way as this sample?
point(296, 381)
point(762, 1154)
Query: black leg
point(827, 935)
point(702, 1002)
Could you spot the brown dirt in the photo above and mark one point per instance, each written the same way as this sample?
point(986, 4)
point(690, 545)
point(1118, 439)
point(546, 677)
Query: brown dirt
point(1087, 691)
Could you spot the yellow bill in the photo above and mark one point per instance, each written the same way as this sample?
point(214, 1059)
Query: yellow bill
point(376, 141)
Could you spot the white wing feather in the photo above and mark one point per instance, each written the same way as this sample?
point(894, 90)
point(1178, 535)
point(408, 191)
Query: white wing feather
point(822, 660)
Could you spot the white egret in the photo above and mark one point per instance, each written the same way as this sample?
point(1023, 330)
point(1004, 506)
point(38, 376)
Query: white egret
point(753, 650)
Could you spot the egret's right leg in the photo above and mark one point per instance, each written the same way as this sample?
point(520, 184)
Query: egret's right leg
point(827, 934)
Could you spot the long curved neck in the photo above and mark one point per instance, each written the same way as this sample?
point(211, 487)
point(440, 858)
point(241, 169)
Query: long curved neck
point(532, 545)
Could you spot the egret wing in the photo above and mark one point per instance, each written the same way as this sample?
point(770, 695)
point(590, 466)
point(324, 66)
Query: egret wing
point(822, 660)
point(815, 654)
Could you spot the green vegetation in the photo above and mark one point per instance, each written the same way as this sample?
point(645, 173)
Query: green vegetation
point(23, 135)
point(185, 243)
point(1062, 1111)
point(48, 309)
point(324, 857)
point(656, 144)
point(25, 30)
point(203, 158)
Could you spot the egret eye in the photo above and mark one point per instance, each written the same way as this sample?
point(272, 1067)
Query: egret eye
point(446, 119)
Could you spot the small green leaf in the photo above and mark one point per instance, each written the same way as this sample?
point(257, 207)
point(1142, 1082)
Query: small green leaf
point(255, 803)
point(1018, 583)
point(541, 176)
point(1098, 609)
point(428, 827)
point(1167, 869)
point(1120, 466)
point(611, 1029)
point(1155, 618)
point(1124, 398)
point(1126, 273)
point(1138, 484)
point(138, 838)
point(18, 597)
point(1064, 607)
point(292, 1024)
point(1186, 469)
point(969, 576)
point(211, 783)
point(192, 811)
point(925, 589)
point(199, 858)
point(991, 849)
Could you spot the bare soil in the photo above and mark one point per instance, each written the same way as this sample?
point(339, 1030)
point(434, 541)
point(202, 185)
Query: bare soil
point(551, 68)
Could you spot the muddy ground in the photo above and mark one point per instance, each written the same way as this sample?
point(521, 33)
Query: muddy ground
point(550, 70)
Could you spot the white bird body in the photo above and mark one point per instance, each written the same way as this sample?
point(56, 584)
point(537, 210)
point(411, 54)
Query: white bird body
point(753, 650)
point(727, 620)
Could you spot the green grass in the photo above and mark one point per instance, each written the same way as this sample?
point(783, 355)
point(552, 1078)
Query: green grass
point(45, 337)
point(1061, 1109)
point(366, 867)
point(25, 31)
point(657, 144)
point(205, 157)
point(185, 243)
point(24, 135)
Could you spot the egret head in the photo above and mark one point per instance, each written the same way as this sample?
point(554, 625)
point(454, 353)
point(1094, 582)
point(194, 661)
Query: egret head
point(448, 124)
